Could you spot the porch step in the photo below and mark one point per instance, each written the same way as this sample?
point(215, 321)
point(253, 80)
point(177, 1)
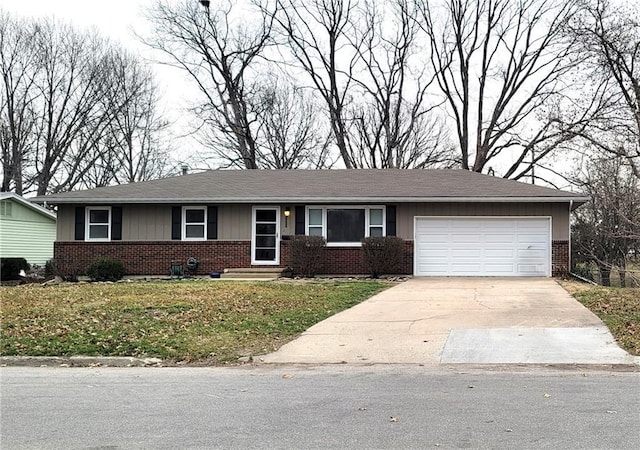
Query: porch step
point(251, 273)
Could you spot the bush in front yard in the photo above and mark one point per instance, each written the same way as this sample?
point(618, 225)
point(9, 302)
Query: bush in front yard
point(383, 254)
point(104, 269)
point(307, 254)
point(10, 268)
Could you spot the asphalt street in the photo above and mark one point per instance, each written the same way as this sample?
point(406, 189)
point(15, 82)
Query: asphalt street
point(318, 407)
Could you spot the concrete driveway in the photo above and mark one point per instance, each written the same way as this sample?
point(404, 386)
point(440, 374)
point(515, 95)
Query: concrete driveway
point(460, 320)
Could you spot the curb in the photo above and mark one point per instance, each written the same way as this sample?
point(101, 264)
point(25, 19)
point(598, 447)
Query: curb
point(78, 361)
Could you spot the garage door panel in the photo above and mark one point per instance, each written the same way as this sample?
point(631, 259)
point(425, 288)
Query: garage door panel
point(464, 238)
point(467, 246)
point(499, 238)
point(468, 253)
point(438, 253)
point(499, 269)
point(531, 253)
point(499, 253)
point(466, 268)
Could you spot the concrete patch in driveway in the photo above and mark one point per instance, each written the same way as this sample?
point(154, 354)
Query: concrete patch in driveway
point(583, 345)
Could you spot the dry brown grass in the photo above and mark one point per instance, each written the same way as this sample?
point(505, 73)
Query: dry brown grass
point(619, 309)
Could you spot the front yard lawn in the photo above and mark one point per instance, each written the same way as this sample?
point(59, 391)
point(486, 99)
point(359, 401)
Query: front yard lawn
point(208, 322)
point(619, 309)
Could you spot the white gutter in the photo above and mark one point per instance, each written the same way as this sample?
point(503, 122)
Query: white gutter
point(273, 200)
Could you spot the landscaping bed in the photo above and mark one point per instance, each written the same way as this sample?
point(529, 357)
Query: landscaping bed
point(199, 322)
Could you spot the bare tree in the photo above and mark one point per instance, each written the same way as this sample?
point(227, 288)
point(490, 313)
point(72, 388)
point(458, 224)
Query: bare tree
point(498, 63)
point(317, 34)
point(290, 134)
point(394, 125)
point(610, 39)
point(217, 49)
point(608, 227)
point(66, 95)
point(137, 136)
point(17, 70)
point(71, 84)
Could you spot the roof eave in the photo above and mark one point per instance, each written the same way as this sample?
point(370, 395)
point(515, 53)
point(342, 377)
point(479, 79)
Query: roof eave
point(575, 200)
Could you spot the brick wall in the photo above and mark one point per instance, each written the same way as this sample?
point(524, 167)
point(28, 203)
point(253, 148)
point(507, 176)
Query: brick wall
point(559, 258)
point(155, 257)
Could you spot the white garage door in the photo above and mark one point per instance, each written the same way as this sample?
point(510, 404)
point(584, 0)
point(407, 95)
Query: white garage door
point(463, 246)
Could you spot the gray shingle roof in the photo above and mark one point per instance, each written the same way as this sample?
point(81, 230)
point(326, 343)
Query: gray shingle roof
point(318, 186)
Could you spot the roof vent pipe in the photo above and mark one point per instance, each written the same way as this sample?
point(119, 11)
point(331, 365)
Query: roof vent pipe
point(185, 169)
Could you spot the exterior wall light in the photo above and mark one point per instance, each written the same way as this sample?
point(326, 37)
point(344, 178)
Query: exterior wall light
point(287, 213)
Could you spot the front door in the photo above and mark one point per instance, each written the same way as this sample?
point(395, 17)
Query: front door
point(265, 239)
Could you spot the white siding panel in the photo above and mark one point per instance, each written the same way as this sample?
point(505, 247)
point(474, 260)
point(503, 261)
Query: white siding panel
point(467, 246)
point(29, 240)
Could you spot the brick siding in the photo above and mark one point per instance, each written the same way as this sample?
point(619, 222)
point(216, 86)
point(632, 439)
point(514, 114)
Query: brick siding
point(559, 258)
point(155, 257)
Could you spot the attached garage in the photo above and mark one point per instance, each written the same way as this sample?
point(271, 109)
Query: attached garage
point(482, 246)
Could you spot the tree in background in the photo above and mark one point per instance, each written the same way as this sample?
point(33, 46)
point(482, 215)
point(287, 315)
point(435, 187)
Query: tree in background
point(17, 120)
point(63, 93)
point(316, 34)
point(610, 41)
point(218, 50)
point(290, 136)
point(498, 64)
point(607, 229)
point(395, 125)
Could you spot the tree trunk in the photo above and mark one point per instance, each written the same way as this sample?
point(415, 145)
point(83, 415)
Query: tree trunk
point(605, 275)
point(623, 276)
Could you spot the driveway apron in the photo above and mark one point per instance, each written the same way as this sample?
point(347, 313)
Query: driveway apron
point(460, 320)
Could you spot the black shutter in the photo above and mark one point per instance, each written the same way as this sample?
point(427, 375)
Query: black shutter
point(300, 220)
point(79, 231)
point(176, 222)
point(391, 220)
point(212, 222)
point(116, 223)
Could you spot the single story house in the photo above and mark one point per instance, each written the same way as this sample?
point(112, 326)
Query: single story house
point(453, 222)
point(27, 230)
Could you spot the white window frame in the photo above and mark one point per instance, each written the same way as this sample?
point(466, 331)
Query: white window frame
point(367, 220)
point(88, 224)
point(6, 208)
point(183, 223)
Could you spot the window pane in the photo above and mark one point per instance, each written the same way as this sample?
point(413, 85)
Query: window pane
point(315, 231)
point(265, 215)
point(345, 225)
point(99, 216)
point(375, 231)
point(98, 231)
point(375, 217)
point(315, 217)
point(265, 254)
point(195, 231)
point(194, 215)
point(265, 228)
point(265, 241)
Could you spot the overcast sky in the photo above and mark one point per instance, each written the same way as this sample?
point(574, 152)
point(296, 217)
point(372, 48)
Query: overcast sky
point(111, 17)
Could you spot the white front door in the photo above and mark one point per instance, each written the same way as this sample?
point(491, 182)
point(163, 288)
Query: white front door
point(265, 235)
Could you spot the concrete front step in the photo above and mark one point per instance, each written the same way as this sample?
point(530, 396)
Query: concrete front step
point(251, 273)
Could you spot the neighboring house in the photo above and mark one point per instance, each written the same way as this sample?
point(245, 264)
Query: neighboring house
point(27, 230)
point(453, 222)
